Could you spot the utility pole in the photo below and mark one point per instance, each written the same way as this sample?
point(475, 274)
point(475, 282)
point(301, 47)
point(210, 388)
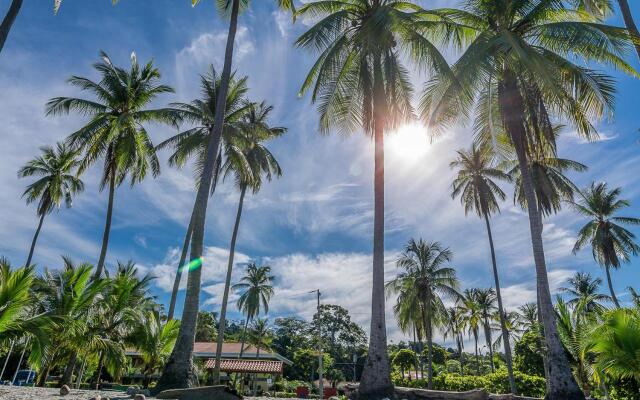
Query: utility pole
point(320, 378)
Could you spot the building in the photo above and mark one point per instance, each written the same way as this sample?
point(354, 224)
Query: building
point(260, 368)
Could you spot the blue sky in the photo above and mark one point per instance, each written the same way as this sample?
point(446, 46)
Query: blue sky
point(313, 226)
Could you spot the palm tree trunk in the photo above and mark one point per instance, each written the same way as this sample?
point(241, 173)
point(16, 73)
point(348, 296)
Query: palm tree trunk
point(415, 342)
point(107, 227)
point(503, 323)
point(629, 23)
point(242, 342)
point(429, 333)
point(613, 292)
point(99, 370)
point(68, 371)
point(475, 337)
point(561, 382)
point(81, 374)
point(6, 360)
point(461, 351)
point(227, 284)
point(8, 21)
point(183, 258)
point(35, 239)
point(487, 337)
point(255, 376)
point(376, 377)
point(178, 371)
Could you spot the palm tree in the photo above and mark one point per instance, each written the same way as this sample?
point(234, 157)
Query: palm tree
point(630, 23)
point(360, 83)
point(528, 316)
point(425, 271)
point(116, 133)
point(56, 184)
point(8, 20)
point(454, 327)
point(257, 289)
point(259, 336)
point(194, 141)
point(154, 340)
point(519, 73)
point(486, 299)
point(247, 160)
point(585, 299)
point(178, 370)
point(478, 192)
point(611, 244)
point(472, 314)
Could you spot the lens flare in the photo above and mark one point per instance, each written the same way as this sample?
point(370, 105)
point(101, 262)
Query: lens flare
point(193, 264)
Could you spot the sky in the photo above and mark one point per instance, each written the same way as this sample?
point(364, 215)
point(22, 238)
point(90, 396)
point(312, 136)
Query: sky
point(313, 226)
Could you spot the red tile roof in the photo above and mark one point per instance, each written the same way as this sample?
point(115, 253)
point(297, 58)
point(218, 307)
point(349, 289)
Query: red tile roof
point(252, 366)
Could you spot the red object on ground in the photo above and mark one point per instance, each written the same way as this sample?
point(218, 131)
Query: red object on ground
point(302, 392)
point(330, 391)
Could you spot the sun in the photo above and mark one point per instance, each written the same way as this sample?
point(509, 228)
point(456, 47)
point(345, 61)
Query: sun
point(409, 143)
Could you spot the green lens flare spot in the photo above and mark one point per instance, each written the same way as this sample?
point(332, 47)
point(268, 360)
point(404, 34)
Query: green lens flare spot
point(193, 264)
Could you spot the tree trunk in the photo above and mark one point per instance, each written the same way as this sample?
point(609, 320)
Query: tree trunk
point(613, 292)
point(178, 371)
point(629, 23)
point(81, 374)
point(475, 337)
point(561, 383)
point(503, 316)
point(99, 370)
point(107, 227)
point(242, 342)
point(68, 371)
point(255, 376)
point(35, 239)
point(461, 351)
point(376, 376)
point(487, 337)
point(429, 333)
point(183, 258)
point(227, 285)
point(8, 21)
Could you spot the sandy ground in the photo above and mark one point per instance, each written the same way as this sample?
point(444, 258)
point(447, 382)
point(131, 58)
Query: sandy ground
point(33, 393)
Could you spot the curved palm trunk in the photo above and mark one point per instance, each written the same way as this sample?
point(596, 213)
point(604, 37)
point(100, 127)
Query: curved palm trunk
point(35, 239)
point(629, 22)
point(561, 382)
point(178, 371)
point(503, 324)
point(178, 278)
point(107, 227)
point(487, 337)
point(613, 292)
point(376, 375)
point(227, 284)
point(8, 21)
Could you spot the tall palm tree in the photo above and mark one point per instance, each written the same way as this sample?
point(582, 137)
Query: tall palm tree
point(247, 160)
point(486, 299)
point(472, 314)
point(178, 371)
point(425, 270)
point(478, 192)
point(611, 244)
point(256, 288)
point(57, 182)
point(116, 132)
point(519, 73)
point(585, 299)
point(360, 83)
point(194, 141)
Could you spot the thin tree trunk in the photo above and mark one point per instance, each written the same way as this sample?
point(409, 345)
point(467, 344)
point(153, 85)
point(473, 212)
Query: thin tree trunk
point(475, 337)
point(487, 337)
point(44, 374)
point(429, 333)
point(242, 342)
point(613, 292)
point(6, 360)
point(227, 285)
point(15, 375)
point(562, 384)
point(99, 370)
point(461, 351)
point(35, 239)
point(255, 376)
point(415, 343)
point(376, 377)
point(8, 21)
point(68, 371)
point(629, 23)
point(178, 371)
point(81, 374)
point(183, 258)
point(503, 316)
point(107, 227)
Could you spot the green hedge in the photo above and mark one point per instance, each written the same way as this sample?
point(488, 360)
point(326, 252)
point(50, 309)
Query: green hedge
point(497, 382)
